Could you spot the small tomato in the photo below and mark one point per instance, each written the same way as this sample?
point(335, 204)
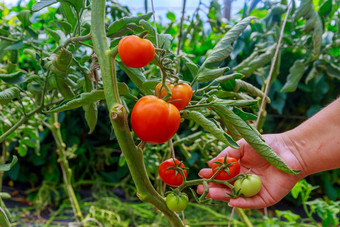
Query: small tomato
point(171, 176)
point(177, 202)
point(248, 186)
point(234, 168)
point(181, 94)
point(135, 52)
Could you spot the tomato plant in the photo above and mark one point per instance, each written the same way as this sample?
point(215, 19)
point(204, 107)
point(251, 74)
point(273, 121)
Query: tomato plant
point(169, 174)
point(135, 52)
point(232, 169)
point(248, 186)
point(177, 202)
point(181, 94)
point(154, 120)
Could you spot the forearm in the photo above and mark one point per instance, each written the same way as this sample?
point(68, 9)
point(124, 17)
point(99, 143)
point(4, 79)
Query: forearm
point(318, 140)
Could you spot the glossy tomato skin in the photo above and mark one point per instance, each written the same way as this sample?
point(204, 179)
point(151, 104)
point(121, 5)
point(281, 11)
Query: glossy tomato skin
point(154, 120)
point(177, 202)
point(182, 93)
point(169, 176)
point(249, 186)
point(135, 52)
point(234, 169)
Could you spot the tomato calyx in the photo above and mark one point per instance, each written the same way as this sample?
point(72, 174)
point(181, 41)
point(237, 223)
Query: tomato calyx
point(223, 166)
point(178, 169)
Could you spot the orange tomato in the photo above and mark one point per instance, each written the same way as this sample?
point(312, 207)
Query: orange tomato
point(135, 52)
point(181, 94)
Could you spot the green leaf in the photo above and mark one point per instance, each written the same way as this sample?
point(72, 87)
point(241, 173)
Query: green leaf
point(69, 13)
point(8, 166)
point(42, 4)
point(253, 139)
point(244, 115)
point(232, 102)
point(295, 74)
point(8, 95)
point(16, 46)
point(13, 78)
point(171, 16)
point(241, 85)
point(224, 47)
point(66, 26)
point(136, 76)
point(77, 4)
point(58, 35)
point(24, 17)
point(193, 68)
point(210, 74)
point(79, 101)
point(91, 116)
point(326, 8)
point(151, 84)
point(121, 23)
point(22, 150)
point(124, 90)
point(256, 60)
point(4, 222)
point(311, 75)
point(210, 127)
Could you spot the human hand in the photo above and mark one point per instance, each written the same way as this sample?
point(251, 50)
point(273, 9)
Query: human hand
point(275, 183)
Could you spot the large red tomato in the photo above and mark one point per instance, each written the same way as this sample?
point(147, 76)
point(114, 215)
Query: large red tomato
point(154, 120)
point(135, 52)
point(234, 168)
point(171, 176)
point(182, 93)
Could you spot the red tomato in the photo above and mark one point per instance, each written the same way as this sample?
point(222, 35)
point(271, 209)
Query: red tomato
point(182, 93)
point(154, 120)
point(135, 52)
point(170, 176)
point(234, 169)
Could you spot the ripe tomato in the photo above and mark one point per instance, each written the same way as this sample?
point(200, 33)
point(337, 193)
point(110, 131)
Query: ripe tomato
point(234, 169)
point(248, 186)
point(182, 93)
point(170, 176)
point(135, 52)
point(154, 120)
point(177, 202)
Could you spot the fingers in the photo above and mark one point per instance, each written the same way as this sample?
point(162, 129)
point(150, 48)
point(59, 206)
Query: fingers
point(206, 173)
point(231, 152)
point(255, 202)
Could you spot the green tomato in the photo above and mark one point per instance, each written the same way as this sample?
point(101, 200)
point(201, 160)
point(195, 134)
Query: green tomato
point(177, 202)
point(249, 186)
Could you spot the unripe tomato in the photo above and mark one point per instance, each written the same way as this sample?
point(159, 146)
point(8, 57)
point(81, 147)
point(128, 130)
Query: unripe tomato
point(171, 176)
point(234, 169)
point(135, 52)
point(177, 202)
point(248, 186)
point(154, 120)
point(182, 93)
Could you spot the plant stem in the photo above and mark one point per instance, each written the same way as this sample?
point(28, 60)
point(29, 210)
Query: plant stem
point(118, 117)
point(64, 165)
point(3, 161)
point(181, 28)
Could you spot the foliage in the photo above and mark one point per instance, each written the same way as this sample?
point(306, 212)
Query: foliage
point(49, 66)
